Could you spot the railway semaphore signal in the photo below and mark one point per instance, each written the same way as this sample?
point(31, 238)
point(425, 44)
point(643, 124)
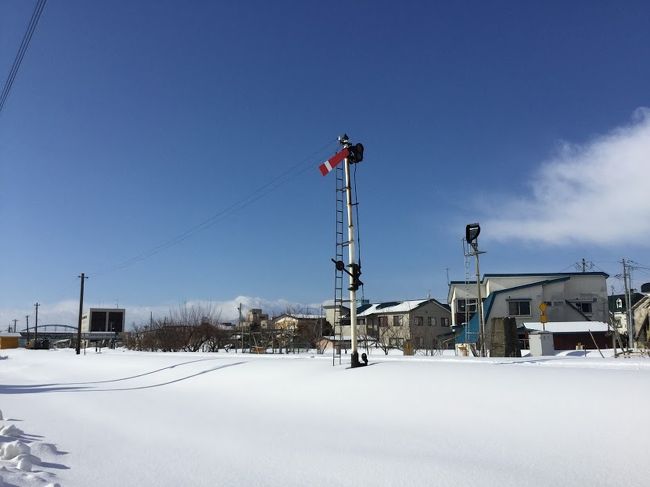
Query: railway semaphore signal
point(349, 154)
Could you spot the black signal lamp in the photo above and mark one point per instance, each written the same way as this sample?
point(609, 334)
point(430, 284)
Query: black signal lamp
point(471, 232)
point(355, 153)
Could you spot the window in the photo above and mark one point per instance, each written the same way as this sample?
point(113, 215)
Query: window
point(361, 321)
point(98, 321)
point(419, 321)
point(583, 306)
point(431, 321)
point(468, 305)
point(115, 321)
point(397, 320)
point(619, 303)
point(396, 342)
point(444, 322)
point(383, 321)
point(519, 307)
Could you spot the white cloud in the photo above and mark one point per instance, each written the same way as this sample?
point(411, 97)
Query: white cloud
point(594, 193)
point(67, 312)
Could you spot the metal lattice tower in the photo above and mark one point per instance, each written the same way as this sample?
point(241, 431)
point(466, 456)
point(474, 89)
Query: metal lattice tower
point(338, 274)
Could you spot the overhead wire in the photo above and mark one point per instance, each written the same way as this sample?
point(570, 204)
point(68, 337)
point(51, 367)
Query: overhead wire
point(27, 37)
point(274, 183)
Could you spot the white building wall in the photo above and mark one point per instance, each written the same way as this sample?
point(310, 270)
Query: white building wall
point(578, 287)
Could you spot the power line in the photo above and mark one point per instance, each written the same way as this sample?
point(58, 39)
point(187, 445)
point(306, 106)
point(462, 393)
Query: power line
point(31, 27)
point(263, 190)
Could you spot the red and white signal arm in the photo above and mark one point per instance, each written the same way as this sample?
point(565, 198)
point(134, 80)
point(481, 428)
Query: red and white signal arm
point(333, 161)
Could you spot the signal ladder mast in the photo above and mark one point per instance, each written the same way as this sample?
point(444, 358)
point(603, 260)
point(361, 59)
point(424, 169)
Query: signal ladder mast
point(350, 154)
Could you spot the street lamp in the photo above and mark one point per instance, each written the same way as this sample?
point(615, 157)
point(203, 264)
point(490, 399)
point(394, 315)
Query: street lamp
point(472, 232)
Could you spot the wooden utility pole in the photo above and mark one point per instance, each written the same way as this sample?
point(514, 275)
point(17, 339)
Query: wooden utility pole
point(27, 326)
point(36, 305)
point(15, 321)
point(241, 329)
point(627, 280)
point(81, 308)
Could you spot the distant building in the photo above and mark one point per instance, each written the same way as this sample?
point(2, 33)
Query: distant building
point(256, 319)
point(421, 322)
point(641, 310)
point(618, 309)
point(569, 297)
point(292, 321)
point(9, 339)
point(104, 320)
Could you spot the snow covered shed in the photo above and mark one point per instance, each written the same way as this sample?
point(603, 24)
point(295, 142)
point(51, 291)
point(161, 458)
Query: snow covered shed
point(568, 335)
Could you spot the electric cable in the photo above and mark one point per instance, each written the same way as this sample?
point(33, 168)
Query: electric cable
point(27, 37)
point(263, 190)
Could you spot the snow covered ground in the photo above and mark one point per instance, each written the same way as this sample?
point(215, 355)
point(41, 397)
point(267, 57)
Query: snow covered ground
point(154, 419)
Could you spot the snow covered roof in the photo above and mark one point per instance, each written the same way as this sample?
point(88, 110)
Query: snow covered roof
point(568, 326)
point(298, 316)
point(393, 307)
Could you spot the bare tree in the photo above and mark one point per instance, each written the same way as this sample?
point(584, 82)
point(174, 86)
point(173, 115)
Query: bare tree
point(390, 337)
point(188, 328)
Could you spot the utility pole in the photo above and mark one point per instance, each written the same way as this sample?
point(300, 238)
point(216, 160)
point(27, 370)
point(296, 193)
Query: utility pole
point(81, 309)
point(627, 281)
point(27, 325)
point(479, 305)
point(241, 331)
point(36, 305)
point(15, 321)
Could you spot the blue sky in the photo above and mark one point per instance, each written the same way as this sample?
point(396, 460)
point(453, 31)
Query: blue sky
point(131, 122)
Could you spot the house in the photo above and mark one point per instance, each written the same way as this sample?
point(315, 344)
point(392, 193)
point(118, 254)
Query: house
point(641, 310)
point(293, 321)
point(423, 323)
point(569, 297)
point(618, 309)
point(256, 319)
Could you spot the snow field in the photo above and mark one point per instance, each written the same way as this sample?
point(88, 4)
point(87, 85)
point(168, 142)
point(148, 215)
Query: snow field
point(130, 418)
point(18, 463)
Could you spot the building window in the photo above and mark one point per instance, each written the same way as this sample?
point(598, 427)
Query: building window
point(444, 322)
point(468, 305)
point(396, 342)
point(98, 321)
point(519, 307)
point(419, 321)
point(383, 321)
point(115, 321)
point(362, 321)
point(431, 321)
point(619, 303)
point(583, 306)
point(397, 320)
